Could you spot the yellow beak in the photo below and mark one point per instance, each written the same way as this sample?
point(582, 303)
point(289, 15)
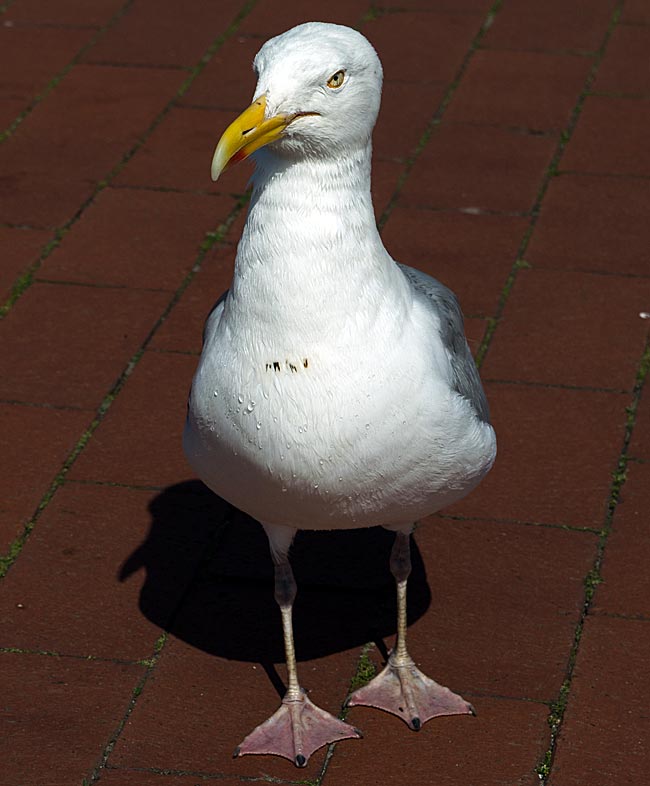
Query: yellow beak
point(246, 134)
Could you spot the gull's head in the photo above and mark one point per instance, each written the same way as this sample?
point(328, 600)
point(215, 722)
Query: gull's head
point(318, 93)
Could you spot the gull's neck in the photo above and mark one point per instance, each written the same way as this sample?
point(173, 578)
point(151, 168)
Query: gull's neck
point(310, 257)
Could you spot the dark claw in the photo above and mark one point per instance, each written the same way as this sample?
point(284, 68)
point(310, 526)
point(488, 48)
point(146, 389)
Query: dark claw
point(236, 752)
point(301, 761)
point(472, 710)
point(416, 724)
point(359, 732)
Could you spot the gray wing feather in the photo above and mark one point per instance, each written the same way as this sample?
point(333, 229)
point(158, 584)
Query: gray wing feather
point(215, 314)
point(465, 378)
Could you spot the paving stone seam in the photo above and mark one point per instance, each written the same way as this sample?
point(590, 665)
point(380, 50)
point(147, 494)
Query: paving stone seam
point(518, 522)
point(58, 78)
point(621, 94)
point(469, 211)
point(551, 171)
point(587, 271)
point(393, 10)
point(631, 23)
point(365, 670)
point(594, 577)
point(540, 51)
point(149, 667)
point(503, 697)
point(521, 130)
point(95, 285)
point(171, 190)
point(113, 484)
point(620, 175)
point(73, 656)
point(205, 776)
point(27, 227)
point(554, 385)
point(144, 66)
point(619, 616)
point(24, 281)
point(28, 25)
point(45, 405)
point(164, 351)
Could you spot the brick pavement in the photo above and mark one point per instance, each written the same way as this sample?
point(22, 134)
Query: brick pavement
point(138, 634)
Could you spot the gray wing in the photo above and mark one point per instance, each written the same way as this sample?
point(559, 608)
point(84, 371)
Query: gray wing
point(465, 378)
point(215, 315)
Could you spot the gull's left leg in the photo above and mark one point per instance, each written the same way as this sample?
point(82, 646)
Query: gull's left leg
point(401, 688)
point(298, 727)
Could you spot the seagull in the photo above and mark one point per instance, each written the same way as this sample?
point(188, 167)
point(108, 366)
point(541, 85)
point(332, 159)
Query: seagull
point(335, 388)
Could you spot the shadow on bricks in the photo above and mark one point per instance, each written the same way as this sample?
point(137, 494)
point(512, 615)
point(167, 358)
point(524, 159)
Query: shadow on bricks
point(346, 594)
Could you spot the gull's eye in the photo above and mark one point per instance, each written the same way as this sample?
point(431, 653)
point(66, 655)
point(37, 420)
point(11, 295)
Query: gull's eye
point(336, 80)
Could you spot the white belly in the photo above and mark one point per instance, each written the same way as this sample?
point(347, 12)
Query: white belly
point(325, 441)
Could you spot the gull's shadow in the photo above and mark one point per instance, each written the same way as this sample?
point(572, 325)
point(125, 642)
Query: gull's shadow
point(209, 581)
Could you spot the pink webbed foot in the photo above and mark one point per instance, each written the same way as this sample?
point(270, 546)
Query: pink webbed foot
point(403, 690)
point(296, 730)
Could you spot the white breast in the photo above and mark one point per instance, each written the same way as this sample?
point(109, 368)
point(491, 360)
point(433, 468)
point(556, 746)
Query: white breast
point(335, 437)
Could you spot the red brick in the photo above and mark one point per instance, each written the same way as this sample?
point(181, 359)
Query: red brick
point(556, 452)
point(67, 345)
point(139, 442)
point(471, 254)
point(212, 703)
point(179, 152)
point(610, 137)
point(49, 172)
point(636, 11)
point(480, 167)
point(626, 584)
point(10, 109)
point(519, 89)
point(406, 110)
point(571, 328)
point(182, 331)
point(20, 248)
point(64, 12)
point(131, 238)
point(640, 443)
point(625, 66)
point(385, 176)
point(604, 737)
point(272, 17)
point(175, 34)
point(58, 716)
point(574, 230)
point(228, 80)
point(487, 641)
point(474, 332)
point(420, 46)
point(23, 75)
point(452, 751)
point(553, 25)
point(34, 443)
point(468, 6)
point(96, 540)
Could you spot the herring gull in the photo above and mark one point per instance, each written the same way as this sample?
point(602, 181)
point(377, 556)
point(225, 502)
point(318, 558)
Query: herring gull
point(335, 389)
